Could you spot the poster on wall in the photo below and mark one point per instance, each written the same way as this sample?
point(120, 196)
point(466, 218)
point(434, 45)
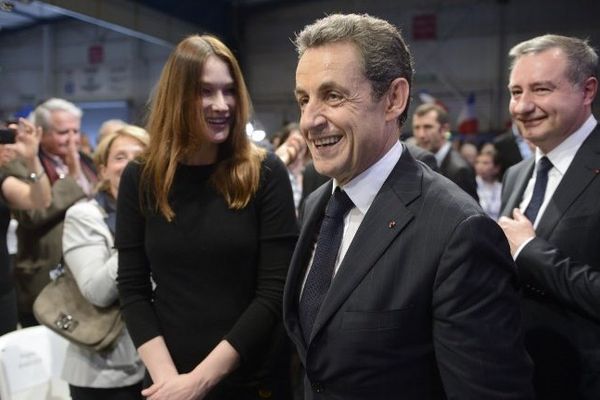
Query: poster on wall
point(95, 82)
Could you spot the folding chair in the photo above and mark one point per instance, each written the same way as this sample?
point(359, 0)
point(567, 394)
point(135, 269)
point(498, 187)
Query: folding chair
point(31, 360)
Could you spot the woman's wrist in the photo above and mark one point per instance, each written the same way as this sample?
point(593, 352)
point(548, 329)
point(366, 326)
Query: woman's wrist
point(35, 177)
point(219, 363)
point(35, 170)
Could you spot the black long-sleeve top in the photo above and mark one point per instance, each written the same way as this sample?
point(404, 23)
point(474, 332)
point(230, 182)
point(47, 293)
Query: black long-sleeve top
point(219, 272)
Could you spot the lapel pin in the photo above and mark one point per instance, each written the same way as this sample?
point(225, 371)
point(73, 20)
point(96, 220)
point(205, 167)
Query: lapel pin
point(597, 171)
point(392, 224)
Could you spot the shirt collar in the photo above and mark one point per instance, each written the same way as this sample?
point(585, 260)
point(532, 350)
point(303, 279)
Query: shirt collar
point(562, 155)
point(442, 152)
point(363, 188)
point(54, 158)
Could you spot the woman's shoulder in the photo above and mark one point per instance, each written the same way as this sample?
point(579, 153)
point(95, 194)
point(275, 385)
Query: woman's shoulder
point(85, 208)
point(133, 169)
point(271, 162)
point(274, 176)
point(131, 178)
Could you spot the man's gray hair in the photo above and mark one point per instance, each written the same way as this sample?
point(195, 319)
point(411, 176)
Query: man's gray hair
point(43, 113)
point(385, 55)
point(582, 59)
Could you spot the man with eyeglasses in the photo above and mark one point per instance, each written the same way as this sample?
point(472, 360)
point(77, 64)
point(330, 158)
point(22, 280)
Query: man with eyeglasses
point(72, 177)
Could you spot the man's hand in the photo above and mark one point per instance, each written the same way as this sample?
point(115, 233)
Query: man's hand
point(517, 230)
point(72, 157)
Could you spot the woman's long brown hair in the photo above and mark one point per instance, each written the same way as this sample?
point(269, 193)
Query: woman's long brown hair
point(175, 124)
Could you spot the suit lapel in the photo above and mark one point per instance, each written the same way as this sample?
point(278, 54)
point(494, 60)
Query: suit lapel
point(314, 210)
point(386, 218)
point(583, 169)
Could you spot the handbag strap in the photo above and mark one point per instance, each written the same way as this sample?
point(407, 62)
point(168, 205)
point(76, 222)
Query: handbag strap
point(109, 205)
point(57, 271)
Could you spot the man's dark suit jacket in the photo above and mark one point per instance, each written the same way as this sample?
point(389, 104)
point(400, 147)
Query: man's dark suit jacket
point(560, 271)
point(458, 170)
point(425, 302)
point(508, 150)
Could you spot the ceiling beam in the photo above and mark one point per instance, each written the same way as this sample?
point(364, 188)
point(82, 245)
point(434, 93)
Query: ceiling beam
point(127, 17)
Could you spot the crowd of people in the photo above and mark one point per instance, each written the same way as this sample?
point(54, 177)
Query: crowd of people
point(343, 264)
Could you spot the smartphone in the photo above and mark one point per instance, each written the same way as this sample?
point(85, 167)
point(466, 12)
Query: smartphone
point(7, 136)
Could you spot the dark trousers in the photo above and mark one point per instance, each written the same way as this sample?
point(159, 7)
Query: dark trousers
point(8, 312)
point(132, 392)
point(27, 319)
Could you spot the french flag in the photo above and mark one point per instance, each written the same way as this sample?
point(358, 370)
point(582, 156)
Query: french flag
point(426, 97)
point(467, 122)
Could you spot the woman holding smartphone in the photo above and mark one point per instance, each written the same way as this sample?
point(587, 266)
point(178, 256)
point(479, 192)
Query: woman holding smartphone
point(20, 139)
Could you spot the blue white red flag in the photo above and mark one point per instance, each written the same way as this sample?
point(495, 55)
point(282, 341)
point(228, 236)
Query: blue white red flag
point(467, 119)
point(426, 97)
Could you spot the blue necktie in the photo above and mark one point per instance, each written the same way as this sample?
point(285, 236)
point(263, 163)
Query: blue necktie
point(321, 272)
point(539, 189)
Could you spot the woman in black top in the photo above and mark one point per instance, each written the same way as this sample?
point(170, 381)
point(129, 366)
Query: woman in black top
point(17, 194)
point(209, 218)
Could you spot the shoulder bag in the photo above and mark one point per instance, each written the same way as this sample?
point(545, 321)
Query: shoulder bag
point(61, 307)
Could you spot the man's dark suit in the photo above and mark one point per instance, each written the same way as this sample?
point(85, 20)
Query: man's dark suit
point(458, 170)
point(560, 271)
point(508, 150)
point(424, 302)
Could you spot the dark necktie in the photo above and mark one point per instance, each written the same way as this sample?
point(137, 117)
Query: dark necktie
point(321, 272)
point(539, 189)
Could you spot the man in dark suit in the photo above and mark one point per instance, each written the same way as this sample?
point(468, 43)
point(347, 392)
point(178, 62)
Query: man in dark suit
point(555, 239)
point(430, 125)
point(400, 286)
point(511, 148)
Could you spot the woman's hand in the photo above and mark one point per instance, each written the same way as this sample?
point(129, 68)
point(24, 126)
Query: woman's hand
point(221, 361)
point(180, 387)
point(27, 141)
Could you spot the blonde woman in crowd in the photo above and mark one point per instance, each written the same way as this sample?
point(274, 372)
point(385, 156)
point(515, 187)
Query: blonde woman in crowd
point(88, 239)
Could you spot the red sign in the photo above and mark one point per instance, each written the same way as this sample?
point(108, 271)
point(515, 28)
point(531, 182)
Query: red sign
point(96, 54)
point(424, 27)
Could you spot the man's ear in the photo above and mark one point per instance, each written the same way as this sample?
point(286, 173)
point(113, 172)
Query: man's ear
point(397, 98)
point(445, 128)
point(590, 88)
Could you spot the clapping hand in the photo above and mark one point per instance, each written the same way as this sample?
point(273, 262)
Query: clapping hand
point(27, 140)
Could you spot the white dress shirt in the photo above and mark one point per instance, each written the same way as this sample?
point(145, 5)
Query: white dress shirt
point(442, 153)
point(362, 191)
point(490, 197)
point(560, 157)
